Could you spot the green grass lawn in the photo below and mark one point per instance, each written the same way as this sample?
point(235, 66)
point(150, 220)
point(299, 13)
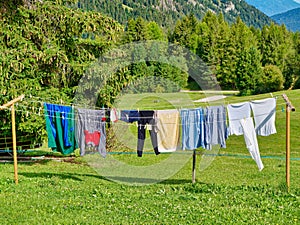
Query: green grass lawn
point(230, 191)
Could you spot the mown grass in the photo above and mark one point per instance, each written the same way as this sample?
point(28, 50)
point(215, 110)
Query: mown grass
point(230, 191)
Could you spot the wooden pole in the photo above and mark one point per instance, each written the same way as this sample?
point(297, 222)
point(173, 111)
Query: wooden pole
point(287, 157)
point(13, 126)
point(289, 108)
point(194, 167)
point(12, 102)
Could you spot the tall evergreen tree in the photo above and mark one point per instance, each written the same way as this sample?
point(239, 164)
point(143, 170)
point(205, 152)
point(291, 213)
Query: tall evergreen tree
point(249, 71)
point(185, 33)
point(276, 45)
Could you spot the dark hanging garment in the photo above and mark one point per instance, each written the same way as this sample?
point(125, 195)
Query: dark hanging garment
point(146, 117)
point(90, 131)
point(60, 126)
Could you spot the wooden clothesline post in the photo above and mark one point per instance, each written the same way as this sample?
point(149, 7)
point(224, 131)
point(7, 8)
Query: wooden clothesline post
point(11, 104)
point(289, 108)
point(194, 167)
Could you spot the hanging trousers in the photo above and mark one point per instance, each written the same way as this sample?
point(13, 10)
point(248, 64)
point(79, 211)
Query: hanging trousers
point(146, 117)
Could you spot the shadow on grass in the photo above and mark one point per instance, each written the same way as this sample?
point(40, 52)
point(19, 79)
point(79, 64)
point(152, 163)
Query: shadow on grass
point(62, 176)
point(198, 187)
point(114, 179)
point(30, 163)
point(145, 181)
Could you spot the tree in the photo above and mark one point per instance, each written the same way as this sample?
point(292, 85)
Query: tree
point(276, 46)
point(44, 50)
point(186, 33)
point(155, 32)
point(249, 72)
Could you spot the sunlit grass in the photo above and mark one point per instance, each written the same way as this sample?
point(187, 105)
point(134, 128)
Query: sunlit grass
point(230, 191)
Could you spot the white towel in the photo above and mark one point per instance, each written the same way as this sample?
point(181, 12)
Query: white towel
point(236, 112)
point(264, 116)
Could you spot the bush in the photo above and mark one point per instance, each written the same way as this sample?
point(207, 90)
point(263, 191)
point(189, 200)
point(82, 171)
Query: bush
point(271, 81)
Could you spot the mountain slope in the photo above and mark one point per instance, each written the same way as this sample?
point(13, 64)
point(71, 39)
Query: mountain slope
point(290, 18)
point(272, 7)
point(167, 12)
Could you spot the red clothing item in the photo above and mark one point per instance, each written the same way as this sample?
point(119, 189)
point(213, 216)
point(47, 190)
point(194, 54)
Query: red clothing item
point(92, 138)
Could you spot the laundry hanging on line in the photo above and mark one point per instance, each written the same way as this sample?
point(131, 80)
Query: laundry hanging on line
point(192, 122)
point(264, 116)
point(241, 122)
point(168, 130)
point(215, 127)
point(201, 127)
point(251, 141)
point(236, 112)
point(90, 131)
point(60, 127)
point(146, 121)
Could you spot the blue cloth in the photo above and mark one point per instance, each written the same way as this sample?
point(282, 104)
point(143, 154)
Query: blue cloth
point(129, 116)
point(192, 121)
point(215, 127)
point(63, 110)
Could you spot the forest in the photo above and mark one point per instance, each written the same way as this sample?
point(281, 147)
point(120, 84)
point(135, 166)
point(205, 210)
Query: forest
point(167, 12)
point(46, 47)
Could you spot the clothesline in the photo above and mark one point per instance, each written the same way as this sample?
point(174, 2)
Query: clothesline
point(42, 101)
point(195, 107)
point(243, 122)
point(125, 124)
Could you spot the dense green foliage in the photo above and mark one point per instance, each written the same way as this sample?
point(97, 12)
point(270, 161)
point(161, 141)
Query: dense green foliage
point(43, 53)
point(272, 80)
point(46, 48)
point(237, 53)
point(166, 13)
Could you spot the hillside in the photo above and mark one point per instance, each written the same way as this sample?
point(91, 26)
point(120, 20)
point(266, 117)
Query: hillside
point(290, 18)
point(167, 12)
point(272, 7)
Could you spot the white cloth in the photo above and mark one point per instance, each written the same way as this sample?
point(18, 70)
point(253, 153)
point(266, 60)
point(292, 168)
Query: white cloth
point(251, 141)
point(114, 115)
point(236, 112)
point(264, 116)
